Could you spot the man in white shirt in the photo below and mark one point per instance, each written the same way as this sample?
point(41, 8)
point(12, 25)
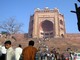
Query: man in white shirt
point(10, 52)
point(3, 51)
point(0, 51)
point(18, 52)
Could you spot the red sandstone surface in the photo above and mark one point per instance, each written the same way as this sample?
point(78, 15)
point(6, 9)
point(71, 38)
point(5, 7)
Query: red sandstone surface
point(62, 43)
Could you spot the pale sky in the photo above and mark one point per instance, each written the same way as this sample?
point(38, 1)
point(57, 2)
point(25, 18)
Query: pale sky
point(22, 9)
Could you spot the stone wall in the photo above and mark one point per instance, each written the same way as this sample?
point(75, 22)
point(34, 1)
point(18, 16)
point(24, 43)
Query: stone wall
point(72, 35)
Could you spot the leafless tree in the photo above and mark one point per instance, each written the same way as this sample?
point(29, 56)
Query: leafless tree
point(11, 26)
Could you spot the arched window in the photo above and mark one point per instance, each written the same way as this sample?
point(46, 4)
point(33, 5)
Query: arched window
point(61, 22)
point(62, 35)
point(61, 28)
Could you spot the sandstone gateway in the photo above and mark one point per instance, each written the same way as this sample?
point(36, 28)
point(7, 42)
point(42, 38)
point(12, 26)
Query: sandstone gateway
point(46, 23)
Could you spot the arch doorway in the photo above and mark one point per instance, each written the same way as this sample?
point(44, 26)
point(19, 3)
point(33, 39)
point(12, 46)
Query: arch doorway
point(47, 28)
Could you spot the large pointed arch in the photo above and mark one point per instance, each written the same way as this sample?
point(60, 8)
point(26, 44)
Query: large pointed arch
point(47, 28)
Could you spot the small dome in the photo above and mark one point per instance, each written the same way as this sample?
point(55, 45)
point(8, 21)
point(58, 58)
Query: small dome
point(37, 9)
point(46, 8)
point(56, 9)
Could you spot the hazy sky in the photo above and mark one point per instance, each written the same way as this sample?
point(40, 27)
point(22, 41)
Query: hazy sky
point(22, 9)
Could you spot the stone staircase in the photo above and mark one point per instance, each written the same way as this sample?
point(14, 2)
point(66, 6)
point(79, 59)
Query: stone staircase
point(62, 43)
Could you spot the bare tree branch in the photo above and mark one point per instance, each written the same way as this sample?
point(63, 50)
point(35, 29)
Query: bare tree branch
point(11, 26)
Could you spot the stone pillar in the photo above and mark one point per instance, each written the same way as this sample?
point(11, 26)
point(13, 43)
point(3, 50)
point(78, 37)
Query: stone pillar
point(56, 26)
point(35, 26)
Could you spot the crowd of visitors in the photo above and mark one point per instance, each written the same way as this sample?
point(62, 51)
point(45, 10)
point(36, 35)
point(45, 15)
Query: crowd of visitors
point(31, 53)
point(54, 55)
point(8, 53)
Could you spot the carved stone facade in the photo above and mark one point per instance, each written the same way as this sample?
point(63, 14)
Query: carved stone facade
point(46, 23)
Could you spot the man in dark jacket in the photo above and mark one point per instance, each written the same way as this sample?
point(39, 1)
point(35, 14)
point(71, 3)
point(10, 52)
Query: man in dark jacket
point(29, 52)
